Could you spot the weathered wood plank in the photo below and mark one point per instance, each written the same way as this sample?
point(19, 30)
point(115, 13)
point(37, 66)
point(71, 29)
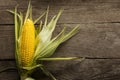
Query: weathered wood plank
point(78, 11)
point(93, 40)
point(12, 3)
point(11, 72)
point(89, 69)
point(99, 37)
point(7, 42)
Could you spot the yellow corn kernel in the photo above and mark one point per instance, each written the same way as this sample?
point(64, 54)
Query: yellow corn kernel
point(27, 43)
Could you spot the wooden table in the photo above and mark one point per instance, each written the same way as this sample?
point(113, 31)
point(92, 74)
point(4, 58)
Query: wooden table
point(98, 39)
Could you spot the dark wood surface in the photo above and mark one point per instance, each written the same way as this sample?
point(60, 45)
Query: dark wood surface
point(98, 39)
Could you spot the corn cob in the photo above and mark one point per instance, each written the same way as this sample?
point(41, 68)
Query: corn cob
point(27, 43)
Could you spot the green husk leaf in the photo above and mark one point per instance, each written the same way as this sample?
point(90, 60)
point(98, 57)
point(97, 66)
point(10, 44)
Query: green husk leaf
point(71, 33)
point(16, 26)
point(46, 18)
point(16, 36)
point(61, 59)
point(32, 67)
point(47, 72)
point(39, 18)
point(20, 20)
point(40, 27)
point(49, 49)
point(28, 11)
point(46, 33)
point(21, 23)
point(13, 12)
point(42, 47)
point(31, 12)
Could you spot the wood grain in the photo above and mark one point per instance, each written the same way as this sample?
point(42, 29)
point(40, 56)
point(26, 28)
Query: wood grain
point(78, 11)
point(89, 69)
point(93, 41)
point(95, 69)
point(11, 73)
point(98, 39)
point(7, 43)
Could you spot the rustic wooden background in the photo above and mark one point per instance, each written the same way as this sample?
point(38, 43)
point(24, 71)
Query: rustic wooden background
point(98, 39)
